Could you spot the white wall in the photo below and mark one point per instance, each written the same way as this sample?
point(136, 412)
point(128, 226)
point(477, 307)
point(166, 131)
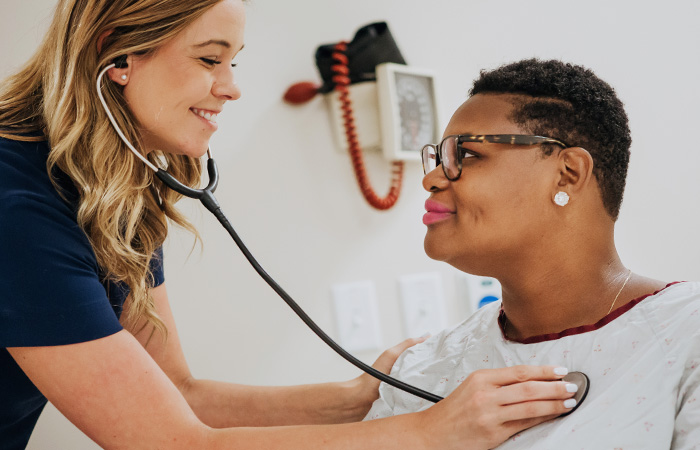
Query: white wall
point(294, 200)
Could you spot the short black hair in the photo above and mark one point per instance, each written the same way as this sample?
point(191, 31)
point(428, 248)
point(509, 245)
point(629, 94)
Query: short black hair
point(569, 103)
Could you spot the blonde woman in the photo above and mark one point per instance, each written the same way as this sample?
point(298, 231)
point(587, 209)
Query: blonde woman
point(84, 315)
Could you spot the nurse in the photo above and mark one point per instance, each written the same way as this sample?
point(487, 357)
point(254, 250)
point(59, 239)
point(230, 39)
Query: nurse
point(84, 316)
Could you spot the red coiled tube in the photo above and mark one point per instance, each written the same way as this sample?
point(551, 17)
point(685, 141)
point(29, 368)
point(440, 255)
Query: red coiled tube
point(342, 81)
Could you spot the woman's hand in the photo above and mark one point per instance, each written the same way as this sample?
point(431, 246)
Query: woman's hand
point(367, 387)
point(493, 404)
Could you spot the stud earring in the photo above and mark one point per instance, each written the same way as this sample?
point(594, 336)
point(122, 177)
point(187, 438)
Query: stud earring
point(123, 77)
point(562, 198)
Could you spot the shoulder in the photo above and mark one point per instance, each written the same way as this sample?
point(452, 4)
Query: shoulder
point(674, 312)
point(449, 344)
point(676, 298)
point(17, 155)
point(39, 232)
point(26, 190)
point(50, 289)
point(23, 171)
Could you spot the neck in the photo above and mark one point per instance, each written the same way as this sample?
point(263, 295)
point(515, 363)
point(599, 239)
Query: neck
point(557, 288)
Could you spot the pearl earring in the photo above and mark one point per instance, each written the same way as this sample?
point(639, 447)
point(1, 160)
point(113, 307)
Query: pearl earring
point(123, 77)
point(562, 198)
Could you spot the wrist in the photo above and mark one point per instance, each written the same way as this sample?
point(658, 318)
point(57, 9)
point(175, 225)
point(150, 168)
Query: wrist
point(358, 396)
point(421, 430)
point(435, 427)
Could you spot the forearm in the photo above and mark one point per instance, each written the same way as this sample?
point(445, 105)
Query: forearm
point(221, 405)
point(400, 432)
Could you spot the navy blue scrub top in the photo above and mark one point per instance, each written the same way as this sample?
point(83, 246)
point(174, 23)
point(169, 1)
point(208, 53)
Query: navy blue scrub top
point(52, 292)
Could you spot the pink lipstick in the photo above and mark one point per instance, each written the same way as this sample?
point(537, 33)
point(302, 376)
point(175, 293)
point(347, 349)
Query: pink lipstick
point(436, 212)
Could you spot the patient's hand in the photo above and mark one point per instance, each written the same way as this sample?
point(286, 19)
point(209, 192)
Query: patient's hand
point(493, 404)
point(368, 386)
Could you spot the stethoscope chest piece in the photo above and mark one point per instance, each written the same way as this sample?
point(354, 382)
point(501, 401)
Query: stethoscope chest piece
point(581, 380)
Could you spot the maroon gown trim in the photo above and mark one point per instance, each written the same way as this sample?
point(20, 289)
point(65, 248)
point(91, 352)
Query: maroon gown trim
point(580, 329)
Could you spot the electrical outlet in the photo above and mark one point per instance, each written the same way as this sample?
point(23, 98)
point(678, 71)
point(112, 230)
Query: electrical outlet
point(356, 316)
point(423, 304)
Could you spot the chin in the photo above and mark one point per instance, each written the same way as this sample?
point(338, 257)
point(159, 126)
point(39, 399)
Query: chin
point(179, 148)
point(194, 151)
point(466, 260)
point(433, 250)
point(199, 152)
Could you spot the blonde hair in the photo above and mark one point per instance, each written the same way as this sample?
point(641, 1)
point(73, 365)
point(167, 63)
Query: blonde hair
point(123, 207)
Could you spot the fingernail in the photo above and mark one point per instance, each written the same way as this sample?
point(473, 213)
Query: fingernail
point(561, 370)
point(426, 335)
point(570, 403)
point(571, 387)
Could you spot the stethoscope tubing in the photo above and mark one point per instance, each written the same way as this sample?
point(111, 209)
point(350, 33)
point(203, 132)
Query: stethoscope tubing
point(206, 196)
point(311, 324)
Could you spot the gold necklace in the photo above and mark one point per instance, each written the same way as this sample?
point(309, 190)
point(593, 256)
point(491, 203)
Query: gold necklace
point(629, 275)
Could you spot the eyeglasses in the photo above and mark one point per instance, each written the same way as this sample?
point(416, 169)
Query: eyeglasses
point(450, 152)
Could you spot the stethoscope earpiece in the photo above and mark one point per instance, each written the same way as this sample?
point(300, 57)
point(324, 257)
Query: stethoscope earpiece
point(120, 62)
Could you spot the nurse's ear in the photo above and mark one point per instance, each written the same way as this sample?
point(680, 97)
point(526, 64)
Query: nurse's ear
point(575, 166)
point(120, 73)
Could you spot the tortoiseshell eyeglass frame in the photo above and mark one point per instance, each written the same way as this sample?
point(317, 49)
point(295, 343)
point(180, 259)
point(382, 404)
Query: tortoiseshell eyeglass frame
point(432, 156)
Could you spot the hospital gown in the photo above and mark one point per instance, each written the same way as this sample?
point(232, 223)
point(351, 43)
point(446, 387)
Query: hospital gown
point(643, 362)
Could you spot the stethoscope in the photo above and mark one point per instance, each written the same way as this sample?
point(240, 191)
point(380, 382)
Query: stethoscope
point(206, 196)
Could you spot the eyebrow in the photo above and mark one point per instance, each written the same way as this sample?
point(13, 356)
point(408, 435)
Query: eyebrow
point(213, 41)
point(219, 42)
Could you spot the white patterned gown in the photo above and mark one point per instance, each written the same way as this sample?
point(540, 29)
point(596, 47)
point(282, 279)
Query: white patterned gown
point(643, 362)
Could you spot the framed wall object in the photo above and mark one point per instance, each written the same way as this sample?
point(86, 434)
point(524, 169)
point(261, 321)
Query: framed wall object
point(408, 110)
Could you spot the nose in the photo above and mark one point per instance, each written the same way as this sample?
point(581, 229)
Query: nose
point(435, 180)
point(225, 86)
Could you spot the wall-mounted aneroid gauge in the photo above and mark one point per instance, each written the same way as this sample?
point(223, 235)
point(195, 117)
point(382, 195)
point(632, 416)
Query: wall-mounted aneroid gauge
point(397, 114)
point(408, 110)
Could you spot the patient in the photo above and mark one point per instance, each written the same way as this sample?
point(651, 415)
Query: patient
point(535, 207)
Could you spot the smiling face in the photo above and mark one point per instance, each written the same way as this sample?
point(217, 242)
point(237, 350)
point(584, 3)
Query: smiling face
point(501, 205)
point(176, 92)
